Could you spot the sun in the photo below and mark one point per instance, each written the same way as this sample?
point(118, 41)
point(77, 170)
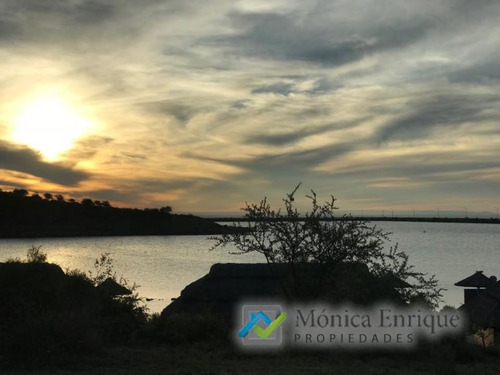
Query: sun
point(48, 125)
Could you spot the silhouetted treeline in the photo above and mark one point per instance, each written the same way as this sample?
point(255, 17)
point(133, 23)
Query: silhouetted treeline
point(25, 215)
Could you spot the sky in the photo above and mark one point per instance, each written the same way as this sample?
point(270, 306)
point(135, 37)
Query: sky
point(203, 105)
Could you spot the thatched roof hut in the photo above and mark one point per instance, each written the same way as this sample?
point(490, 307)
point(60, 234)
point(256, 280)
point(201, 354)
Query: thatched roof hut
point(224, 286)
point(228, 284)
point(395, 281)
point(112, 288)
point(477, 280)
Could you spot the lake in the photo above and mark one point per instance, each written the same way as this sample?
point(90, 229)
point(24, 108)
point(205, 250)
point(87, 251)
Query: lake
point(164, 265)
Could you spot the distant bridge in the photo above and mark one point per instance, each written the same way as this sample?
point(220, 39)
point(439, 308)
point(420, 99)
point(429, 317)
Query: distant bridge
point(381, 218)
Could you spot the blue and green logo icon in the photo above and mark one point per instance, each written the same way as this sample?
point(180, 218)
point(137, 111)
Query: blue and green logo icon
point(262, 324)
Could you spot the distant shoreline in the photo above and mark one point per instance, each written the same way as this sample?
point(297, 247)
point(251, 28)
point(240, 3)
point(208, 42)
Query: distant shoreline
point(465, 220)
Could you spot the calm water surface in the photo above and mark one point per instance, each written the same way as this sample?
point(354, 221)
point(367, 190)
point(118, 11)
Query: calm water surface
point(164, 265)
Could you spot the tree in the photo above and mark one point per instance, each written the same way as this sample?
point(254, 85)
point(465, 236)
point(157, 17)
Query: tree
point(21, 193)
point(166, 210)
point(88, 202)
point(330, 242)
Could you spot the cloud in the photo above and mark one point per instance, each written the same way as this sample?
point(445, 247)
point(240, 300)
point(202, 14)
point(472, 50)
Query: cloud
point(46, 20)
point(283, 162)
point(312, 37)
point(9, 30)
point(210, 103)
point(135, 156)
point(487, 72)
point(285, 138)
point(25, 160)
point(279, 88)
point(86, 148)
point(176, 109)
point(297, 161)
point(420, 118)
point(147, 192)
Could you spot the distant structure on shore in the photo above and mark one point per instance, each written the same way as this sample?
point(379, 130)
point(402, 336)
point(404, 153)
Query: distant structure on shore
point(482, 306)
point(429, 219)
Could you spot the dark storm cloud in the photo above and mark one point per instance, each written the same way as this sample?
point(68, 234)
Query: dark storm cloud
point(424, 116)
point(282, 36)
point(25, 160)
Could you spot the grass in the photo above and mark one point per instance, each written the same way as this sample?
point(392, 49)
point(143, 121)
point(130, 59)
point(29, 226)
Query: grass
point(202, 359)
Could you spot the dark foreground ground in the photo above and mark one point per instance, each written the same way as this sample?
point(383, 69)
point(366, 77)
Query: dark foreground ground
point(202, 359)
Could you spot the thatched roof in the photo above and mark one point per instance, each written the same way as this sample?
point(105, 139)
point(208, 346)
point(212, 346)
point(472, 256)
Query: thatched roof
point(111, 287)
point(224, 286)
point(477, 280)
point(395, 281)
point(228, 284)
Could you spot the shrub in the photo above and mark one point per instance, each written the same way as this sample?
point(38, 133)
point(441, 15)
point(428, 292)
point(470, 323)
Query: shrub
point(181, 329)
point(48, 316)
point(35, 255)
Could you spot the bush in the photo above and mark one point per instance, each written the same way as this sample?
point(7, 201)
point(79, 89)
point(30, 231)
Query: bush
point(181, 329)
point(35, 255)
point(49, 317)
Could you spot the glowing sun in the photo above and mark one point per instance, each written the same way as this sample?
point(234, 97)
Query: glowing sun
point(49, 126)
